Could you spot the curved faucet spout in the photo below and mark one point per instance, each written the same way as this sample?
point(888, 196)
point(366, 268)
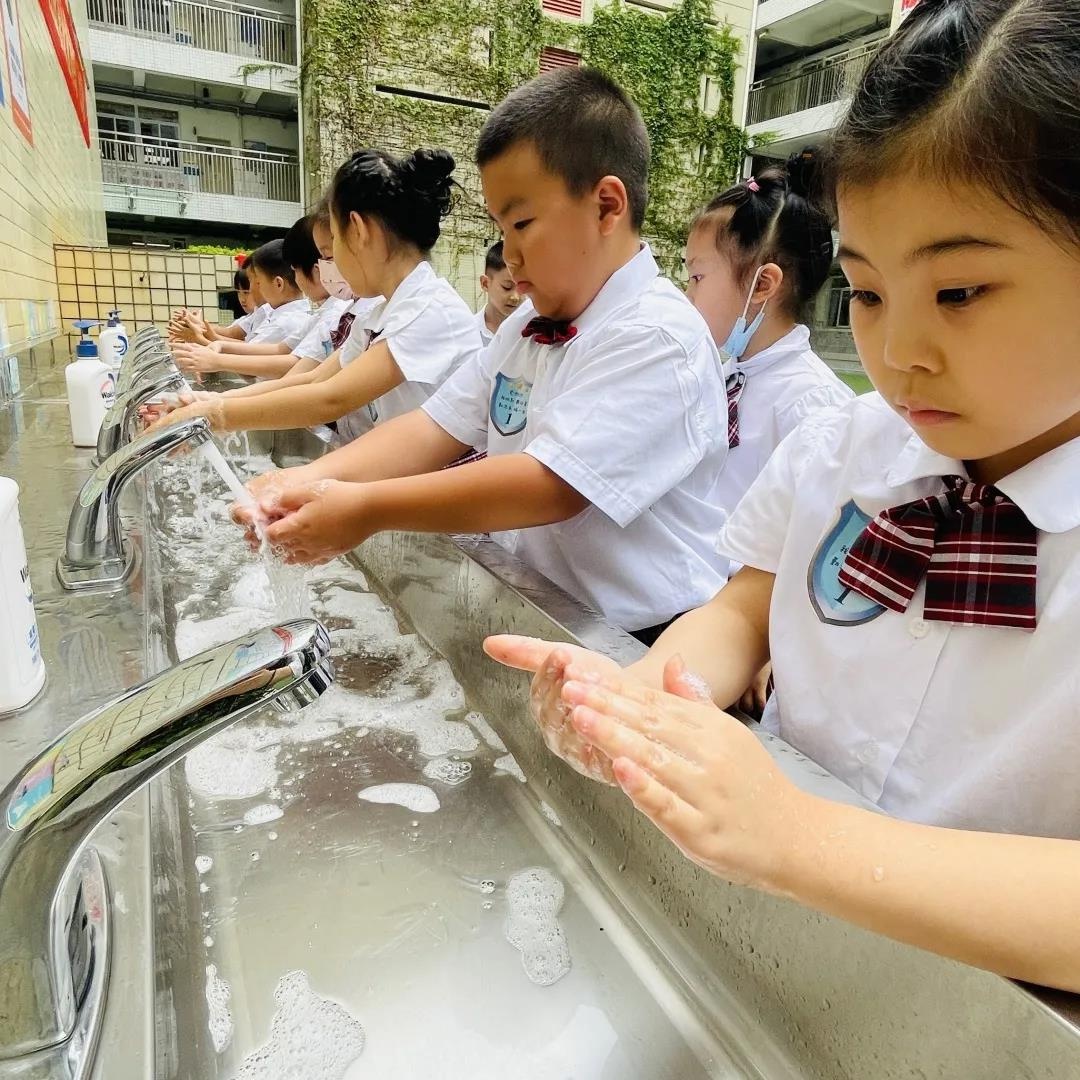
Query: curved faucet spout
point(94, 554)
point(116, 427)
point(50, 809)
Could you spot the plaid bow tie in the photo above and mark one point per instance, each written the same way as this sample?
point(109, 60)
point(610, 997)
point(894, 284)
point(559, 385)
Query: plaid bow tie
point(735, 385)
point(545, 331)
point(341, 331)
point(973, 544)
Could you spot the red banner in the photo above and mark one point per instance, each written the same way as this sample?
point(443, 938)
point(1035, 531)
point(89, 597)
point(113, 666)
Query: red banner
point(66, 43)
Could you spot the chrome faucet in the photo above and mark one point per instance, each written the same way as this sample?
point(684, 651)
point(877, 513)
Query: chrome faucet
point(116, 427)
point(95, 554)
point(54, 910)
point(142, 364)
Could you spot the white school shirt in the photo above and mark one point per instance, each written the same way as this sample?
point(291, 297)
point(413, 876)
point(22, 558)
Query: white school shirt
point(486, 335)
point(430, 332)
point(784, 384)
point(322, 322)
point(285, 325)
point(253, 319)
point(631, 413)
point(970, 727)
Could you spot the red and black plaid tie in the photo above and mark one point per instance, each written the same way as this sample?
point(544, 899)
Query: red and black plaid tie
point(341, 331)
point(973, 544)
point(546, 331)
point(735, 383)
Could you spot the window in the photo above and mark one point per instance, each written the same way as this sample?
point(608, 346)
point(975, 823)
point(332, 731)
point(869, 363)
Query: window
point(551, 58)
point(563, 7)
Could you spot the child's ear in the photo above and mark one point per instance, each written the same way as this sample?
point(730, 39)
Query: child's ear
point(770, 282)
point(279, 283)
point(485, 282)
point(612, 202)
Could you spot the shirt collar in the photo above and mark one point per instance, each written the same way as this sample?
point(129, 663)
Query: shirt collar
point(795, 341)
point(299, 304)
point(417, 279)
point(629, 281)
point(1046, 489)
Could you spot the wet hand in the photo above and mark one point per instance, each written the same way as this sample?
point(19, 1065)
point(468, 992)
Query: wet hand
point(697, 773)
point(315, 522)
point(197, 359)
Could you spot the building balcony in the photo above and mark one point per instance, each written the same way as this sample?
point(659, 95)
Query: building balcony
point(806, 23)
point(211, 43)
point(797, 108)
point(172, 179)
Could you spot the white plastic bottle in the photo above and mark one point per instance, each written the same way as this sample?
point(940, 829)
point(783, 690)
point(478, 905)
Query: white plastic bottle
point(90, 389)
point(113, 344)
point(22, 671)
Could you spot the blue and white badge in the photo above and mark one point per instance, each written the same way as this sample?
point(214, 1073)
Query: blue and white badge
point(834, 603)
point(510, 404)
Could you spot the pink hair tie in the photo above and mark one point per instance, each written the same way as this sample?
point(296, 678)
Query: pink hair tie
point(752, 185)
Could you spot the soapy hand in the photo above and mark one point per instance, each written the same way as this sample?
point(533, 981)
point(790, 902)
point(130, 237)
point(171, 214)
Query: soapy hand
point(312, 523)
point(554, 664)
point(213, 410)
point(697, 773)
point(154, 411)
point(198, 359)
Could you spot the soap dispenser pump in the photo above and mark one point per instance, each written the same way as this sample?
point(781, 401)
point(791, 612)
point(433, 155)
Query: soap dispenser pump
point(90, 388)
point(113, 344)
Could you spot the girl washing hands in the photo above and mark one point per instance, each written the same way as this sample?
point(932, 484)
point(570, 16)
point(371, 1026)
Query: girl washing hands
point(912, 559)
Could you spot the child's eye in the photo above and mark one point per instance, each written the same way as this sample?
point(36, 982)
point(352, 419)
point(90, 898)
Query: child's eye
point(959, 297)
point(519, 225)
point(865, 297)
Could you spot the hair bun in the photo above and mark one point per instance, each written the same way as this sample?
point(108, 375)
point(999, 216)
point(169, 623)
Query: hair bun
point(802, 171)
point(427, 170)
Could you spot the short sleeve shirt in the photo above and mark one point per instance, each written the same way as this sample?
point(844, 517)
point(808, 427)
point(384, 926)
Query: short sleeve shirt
point(969, 727)
point(632, 414)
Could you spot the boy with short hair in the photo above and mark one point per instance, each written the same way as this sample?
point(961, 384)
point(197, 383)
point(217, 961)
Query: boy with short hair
point(600, 403)
point(501, 297)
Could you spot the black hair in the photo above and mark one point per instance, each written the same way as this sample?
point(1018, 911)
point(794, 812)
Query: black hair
point(584, 127)
point(773, 218)
point(493, 260)
point(979, 91)
point(241, 281)
point(408, 196)
point(320, 213)
point(270, 260)
point(298, 247)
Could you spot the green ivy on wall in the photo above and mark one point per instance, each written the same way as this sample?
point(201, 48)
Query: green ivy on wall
point(475, 51)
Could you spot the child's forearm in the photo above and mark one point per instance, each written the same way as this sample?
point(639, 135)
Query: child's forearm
point(281, 409)
point(256, 348)
point(1003, 902)
point(300, 374)
point(473, 498)
point(726, 641)
point(268, 367)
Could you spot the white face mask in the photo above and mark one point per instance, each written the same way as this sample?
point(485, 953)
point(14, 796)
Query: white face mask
point(333, 282)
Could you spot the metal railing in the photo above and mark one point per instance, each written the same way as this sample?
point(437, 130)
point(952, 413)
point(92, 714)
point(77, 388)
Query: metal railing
point(223, 28)
point(830, 79)
point(209, 170)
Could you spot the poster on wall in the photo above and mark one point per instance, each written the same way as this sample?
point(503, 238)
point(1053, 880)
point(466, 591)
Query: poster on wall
point(906, 6)
point(20, 99)
point(66, 45)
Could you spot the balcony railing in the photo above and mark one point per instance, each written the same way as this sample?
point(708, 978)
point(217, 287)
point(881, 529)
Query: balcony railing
point(831, 79)
point(208, 170)
point(221, 28)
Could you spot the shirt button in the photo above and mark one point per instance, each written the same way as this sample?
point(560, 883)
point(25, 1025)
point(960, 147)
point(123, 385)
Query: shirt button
point(868, 752)
point(919, 628)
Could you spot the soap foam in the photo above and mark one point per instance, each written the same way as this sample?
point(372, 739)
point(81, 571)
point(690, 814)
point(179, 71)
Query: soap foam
point(447, 771)
point(418, 798)
point(219, 1016)
point(311, 1037)
point(263, 813)
point(231, 765)
point(203, 863)
point(508, 764)
point(534, 898)
point(479, 721)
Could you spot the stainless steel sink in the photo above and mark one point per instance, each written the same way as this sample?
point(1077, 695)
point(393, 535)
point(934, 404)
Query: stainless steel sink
point(259, 859)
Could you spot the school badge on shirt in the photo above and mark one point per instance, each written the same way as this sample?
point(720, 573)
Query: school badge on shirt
point(510, 404)
point(834, 603)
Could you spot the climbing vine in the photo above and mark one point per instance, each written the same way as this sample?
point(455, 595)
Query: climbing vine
point(406, 73)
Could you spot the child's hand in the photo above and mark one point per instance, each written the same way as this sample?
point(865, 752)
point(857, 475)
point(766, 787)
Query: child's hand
point(197, 359)
point(554, 664)
point(315, 522)
point(698, 774)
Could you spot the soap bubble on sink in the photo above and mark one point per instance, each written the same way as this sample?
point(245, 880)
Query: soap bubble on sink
point(203, 863)
point(447, 771)
point(549, 813)
point(230, 766)
point(534, 898)
point(310, 1037)
point(263, 813)
point(418, 798)
point(508, 764)
point(219, 1016)
point(479, 721)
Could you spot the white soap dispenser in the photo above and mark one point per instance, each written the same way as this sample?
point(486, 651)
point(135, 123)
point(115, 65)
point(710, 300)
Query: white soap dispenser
point(22, 671)
point(113, 344)
point(90, 388)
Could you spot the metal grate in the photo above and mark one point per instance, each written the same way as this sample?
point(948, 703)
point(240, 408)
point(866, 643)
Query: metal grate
point(563, 7)
point(551, 58)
